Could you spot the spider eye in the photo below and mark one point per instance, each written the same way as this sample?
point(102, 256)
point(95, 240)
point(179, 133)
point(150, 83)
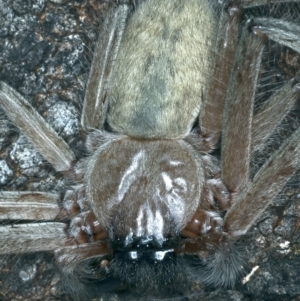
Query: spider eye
point(131, 260)
point(145, 249)
point(150, 256)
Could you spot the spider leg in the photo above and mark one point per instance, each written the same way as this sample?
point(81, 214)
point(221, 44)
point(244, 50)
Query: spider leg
point(70, 256)
point(270, 179)
point(266, 184)
point(44, 236)
point(35, 206)
point(252, 3)
point(49, 236)
point(271, 113)
point(286, 33)
point(283, 32)
point(211, 116)
point(33, 237)
point(95, 104)
point(54, 149)
point(239, 124)
point(236, 136)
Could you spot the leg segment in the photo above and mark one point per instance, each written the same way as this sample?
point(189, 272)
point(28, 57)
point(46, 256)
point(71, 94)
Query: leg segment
point(270, 179)
point(212, 109)
point(266, 184)
point(271, 113)
point(283, 32)
point(35, 206)
point(33, 237)
point(72, 255)
point(54, 149)
point(252, 3)
point(239, 126)
point(236, 136)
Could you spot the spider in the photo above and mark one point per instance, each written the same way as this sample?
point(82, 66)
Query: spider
point(149, 190)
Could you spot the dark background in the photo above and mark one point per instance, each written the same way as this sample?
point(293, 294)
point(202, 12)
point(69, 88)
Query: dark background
point(45, 53)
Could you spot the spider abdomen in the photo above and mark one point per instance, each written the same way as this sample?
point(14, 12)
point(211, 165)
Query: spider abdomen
point(162, 69)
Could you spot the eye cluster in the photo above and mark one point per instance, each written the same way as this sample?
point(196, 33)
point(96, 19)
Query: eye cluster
point(144, 258)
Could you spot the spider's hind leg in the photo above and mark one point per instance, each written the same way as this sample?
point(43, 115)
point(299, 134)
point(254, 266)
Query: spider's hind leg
point(53, 148)
point(265, 186)
point(252, 197)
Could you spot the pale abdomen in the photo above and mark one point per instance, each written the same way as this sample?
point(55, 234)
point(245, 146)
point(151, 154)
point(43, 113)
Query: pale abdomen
point(162, 69)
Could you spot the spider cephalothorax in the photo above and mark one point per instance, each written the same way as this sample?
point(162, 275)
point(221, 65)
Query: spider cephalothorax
point(149, 194)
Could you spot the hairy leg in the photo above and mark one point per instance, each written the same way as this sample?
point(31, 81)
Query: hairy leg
point(211, 116)
point(252, 3)
point(271, 113)
point(273, 175)
point(237, 127)
point(267, 183)
point(36, 206)
point(20, 238)
point(53, 148)
point(286, 33)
